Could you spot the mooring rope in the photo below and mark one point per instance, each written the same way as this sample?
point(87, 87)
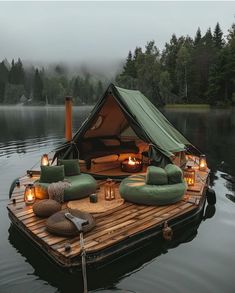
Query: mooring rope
point(83, 255)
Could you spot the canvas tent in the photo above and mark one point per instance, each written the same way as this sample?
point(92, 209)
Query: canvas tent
point(118, 118)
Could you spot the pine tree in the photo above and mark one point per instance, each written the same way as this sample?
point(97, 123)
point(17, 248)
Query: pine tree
point(198, 37)
point(38, 87)
point(16, 74)
point(129, 67)
point(3, 80)
point(218, 37)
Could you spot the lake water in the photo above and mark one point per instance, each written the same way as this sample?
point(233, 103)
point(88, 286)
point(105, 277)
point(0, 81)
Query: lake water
point(202, 259)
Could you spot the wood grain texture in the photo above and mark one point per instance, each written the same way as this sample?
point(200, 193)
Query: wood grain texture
point(112, 227)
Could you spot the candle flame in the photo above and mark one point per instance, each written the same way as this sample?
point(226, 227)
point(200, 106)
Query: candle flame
point(132, 161)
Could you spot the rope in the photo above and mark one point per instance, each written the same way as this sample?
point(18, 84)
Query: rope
point(83, 255)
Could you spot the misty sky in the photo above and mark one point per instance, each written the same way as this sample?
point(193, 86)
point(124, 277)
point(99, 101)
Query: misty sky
point(100, 31)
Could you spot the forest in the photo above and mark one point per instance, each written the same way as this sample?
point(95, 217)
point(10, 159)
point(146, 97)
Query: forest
point(188, 70)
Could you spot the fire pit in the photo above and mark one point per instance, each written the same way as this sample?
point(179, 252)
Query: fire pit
point(132, 165)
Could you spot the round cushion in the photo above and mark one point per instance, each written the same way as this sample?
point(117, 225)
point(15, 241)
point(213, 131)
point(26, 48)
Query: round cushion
point(134, 189)
point(58, 224)
point(46, 207)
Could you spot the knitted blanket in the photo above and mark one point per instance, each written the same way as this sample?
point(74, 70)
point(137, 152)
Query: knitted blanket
point(56, 190)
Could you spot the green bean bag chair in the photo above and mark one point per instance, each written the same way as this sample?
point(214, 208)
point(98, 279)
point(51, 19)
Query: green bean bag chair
point(82, 185)
point(158, 187)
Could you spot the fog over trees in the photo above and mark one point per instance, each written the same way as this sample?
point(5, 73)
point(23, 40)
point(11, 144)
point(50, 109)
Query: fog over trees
point(197, 69)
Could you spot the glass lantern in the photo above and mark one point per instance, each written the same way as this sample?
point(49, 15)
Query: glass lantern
point(45, 160)
point(189, 176)
point(202, 163)
point(29, 194)
point(109, 189)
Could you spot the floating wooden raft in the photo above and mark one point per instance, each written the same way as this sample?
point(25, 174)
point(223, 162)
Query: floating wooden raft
point(116, 230)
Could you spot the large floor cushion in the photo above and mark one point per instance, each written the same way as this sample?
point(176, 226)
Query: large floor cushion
point(134, 189)
point(81, 186)
point(58, 224)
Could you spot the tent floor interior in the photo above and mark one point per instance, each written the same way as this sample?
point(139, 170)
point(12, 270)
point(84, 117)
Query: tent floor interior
point(114, 172)
point(114, 227)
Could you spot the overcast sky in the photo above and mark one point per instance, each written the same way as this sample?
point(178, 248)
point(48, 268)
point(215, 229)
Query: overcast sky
point(100, 31)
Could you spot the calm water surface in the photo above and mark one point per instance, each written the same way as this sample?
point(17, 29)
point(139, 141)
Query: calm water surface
point(201, 259)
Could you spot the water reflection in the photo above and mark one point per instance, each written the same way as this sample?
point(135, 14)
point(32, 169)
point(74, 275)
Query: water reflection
point(26, 129)
point(212, 131)
point(109, 275)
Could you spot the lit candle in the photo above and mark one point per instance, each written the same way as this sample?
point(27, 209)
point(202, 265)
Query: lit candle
point(132, 161)
point(202, 163)
point(29, 194)
point(45, 160)
point(189, 176)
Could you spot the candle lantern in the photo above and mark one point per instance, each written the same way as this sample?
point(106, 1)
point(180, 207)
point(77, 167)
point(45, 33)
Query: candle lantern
point(109, 189)
point(29, 194)
point(202, 163)
point(45, 160)
point(189, 176)
point(132, 165)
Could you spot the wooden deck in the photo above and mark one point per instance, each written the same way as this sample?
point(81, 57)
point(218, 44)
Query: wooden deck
point(113, 227)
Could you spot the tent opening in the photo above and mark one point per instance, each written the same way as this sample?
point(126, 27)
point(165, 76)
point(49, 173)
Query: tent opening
point(110, 140)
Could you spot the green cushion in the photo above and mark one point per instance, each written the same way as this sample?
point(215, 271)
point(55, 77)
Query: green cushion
point(51, 174)
point(71, 167)
point(81, 186)
point(134, 189)
point(156, 176)
point(174, 173)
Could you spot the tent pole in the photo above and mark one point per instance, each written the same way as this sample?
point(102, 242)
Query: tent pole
point(68, 118)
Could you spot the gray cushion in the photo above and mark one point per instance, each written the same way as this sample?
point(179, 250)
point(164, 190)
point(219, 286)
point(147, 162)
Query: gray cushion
point(46, 207)
point(156, 176)
point(58, 224)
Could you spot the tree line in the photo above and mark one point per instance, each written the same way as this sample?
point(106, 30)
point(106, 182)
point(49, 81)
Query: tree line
point(34, 86)
point(188, 70)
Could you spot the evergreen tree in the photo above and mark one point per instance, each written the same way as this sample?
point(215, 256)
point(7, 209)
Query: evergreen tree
point(38, 87)
point(183, 58)
point(165, 87)
point(16, 74)
point(3, 80)
point(198, 37)
point(129, 67)
point(218, 37)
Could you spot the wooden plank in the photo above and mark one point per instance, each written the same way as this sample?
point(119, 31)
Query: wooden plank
point(130, 231)
point(106, 234)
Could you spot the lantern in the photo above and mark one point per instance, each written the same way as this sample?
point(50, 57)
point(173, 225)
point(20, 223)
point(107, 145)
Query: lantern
point(202, 163)
point(132, 165)
point(45, 160)
point(29, 194)
point(109, 189)
point(189, 176)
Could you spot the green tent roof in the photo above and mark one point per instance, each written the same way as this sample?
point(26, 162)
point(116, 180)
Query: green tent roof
point(147, 122)
point(160, 131)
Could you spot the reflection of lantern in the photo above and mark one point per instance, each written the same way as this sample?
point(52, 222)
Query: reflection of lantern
point(132, 165)
point(45, 160)
point(189, 176)
point(202, 163)
point(29, 194)
point(109, 189)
